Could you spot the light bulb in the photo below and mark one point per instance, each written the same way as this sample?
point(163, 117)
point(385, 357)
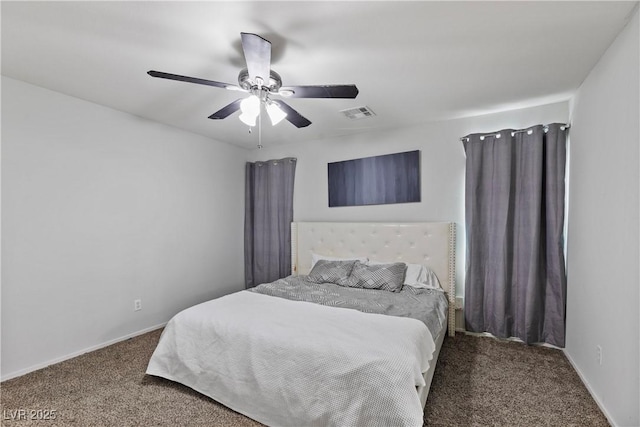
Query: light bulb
point(275, 113)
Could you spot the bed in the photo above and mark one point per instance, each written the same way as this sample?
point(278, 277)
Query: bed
point(302, 352)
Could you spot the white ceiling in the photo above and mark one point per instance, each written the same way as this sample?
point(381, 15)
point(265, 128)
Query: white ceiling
point(413, 62)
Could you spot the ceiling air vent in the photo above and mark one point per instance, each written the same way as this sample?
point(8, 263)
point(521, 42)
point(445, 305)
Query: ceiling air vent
point(358, 113)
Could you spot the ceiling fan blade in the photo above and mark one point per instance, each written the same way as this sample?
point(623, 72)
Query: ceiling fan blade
point(196, 80)
point(227, 110)
point(323, 91)
point(293, 116)
point(257, 54)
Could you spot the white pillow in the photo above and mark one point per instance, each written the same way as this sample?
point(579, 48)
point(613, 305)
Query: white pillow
point(421, 276)
point(418, 276)
point(315, 257)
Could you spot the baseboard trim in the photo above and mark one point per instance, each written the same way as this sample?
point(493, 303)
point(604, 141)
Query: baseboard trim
point(589, 389)
point(78, 353)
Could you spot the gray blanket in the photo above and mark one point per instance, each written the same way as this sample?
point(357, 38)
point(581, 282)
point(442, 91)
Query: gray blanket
point(426, 305)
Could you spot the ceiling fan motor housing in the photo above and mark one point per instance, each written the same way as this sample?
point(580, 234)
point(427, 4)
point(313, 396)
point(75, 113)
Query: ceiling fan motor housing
point(274, 84)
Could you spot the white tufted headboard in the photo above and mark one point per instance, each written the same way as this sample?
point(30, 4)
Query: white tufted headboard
point(428, 243)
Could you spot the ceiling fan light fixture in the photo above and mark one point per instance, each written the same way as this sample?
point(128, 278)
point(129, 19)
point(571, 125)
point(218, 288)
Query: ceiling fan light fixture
point(275, 113)
point(248, 119)
point(250, 108)
point(250, 105)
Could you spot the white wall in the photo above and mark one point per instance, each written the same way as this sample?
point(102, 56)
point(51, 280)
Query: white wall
point(100, 208)
point(603, 237)
point(442, 168)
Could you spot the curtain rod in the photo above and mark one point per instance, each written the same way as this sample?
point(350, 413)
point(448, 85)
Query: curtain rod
point(528, 130)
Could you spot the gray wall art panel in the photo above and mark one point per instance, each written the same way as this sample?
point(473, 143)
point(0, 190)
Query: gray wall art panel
point(392, 178)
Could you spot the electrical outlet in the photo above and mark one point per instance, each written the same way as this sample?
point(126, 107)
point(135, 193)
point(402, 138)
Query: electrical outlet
point(137, 305)
point(599, 355)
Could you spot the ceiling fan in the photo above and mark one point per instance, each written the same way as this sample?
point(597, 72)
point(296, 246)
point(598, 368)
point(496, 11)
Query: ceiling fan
point(262, 84)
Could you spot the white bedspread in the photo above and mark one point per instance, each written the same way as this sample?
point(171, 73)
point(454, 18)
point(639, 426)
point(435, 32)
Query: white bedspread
point(292, 363)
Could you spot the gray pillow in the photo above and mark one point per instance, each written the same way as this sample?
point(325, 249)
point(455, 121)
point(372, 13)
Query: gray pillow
point(325, 271)
point(387, 277)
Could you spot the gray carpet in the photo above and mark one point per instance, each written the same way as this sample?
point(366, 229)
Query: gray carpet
point(478, 382)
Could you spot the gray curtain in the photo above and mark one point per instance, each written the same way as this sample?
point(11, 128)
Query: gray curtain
point(267, 220)
point(514, 213)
